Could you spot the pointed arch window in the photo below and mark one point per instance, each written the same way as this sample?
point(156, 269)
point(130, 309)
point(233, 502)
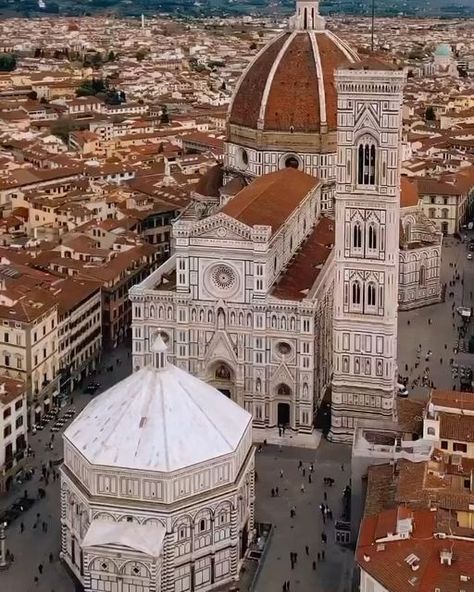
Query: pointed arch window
point(366, 161)
point(356, 293)
point(422, 276)
point(372, 237)
point(371, 295)
point(357, 236)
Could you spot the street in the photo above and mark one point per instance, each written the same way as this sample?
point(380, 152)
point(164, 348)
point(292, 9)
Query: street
point(435, 328)
point(32, 547)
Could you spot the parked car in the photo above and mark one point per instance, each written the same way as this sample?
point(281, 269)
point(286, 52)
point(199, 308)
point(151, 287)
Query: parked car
point(469, 256)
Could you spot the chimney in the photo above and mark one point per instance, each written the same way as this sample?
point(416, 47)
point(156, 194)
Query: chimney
point(445, 557)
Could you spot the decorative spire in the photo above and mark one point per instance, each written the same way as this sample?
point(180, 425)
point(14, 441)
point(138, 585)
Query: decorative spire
point(159, 349)
point(307, 17)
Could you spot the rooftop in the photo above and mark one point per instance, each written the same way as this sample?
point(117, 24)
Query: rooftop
point(271, 198)
point(172, 421)
point(302, 271)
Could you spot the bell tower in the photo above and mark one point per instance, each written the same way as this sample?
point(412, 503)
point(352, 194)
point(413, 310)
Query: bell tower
point(367, 245)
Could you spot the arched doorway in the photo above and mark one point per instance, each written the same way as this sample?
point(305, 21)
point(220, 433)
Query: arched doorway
point(283, 412)
point(222, 378)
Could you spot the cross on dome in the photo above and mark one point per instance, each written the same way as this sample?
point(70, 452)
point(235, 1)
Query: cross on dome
point(159, 349)
point(307, 17)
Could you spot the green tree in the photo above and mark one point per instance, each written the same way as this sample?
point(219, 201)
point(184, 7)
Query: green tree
point(253, 46)
point(111, 57)
point(140, 55)
point(164, 117)
point(33, 95)
point(62, 128)
point(7, 62)
point(430, 114)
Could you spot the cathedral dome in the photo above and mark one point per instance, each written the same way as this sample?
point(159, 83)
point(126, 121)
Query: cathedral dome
point(443, 51)
point(159, 419)
point(289, 86)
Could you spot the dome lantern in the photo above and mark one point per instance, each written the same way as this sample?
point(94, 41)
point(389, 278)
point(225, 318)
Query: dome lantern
point(307, 17)
point(159, 350)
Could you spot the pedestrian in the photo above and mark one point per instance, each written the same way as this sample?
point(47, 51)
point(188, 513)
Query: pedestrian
point(311, 467)
point(302, 488)
point(309, 477)
point(324, 537)
point(51, 558)
point(40, 568)
point(304, 472)
point(281, 473)
point(36, 580)
point(300, 464)
point(273, 492)
point(314, 565)
point(319, 556)
point(342, 468)
point(323, 554)
point(277, 491)
point(325, 496)
point(288, 586)
point(295, 555)
point(22, 527)
point(306, 549)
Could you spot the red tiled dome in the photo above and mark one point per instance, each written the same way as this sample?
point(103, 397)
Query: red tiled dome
point(290, 86)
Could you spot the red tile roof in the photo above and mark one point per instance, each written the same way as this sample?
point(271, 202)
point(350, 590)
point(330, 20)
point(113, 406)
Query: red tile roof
point(304, 269)
point(271, 198)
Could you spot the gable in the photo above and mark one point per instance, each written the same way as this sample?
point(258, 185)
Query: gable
point(220, 226)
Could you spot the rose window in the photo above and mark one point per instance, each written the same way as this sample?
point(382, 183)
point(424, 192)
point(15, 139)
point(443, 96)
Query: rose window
point(223, 277)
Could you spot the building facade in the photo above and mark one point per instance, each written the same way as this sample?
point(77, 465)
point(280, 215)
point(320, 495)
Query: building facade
point(29, 336)
point(161, 513)
point(420, 253)
point(79, 331)
point(367, 245)
point(233, 309)
point(13, 429)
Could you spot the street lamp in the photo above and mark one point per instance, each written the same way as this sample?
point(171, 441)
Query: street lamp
point(4, 564)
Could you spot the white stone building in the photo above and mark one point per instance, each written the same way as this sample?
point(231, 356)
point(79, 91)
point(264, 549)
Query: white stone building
point(157, 486)
point(247, 299)
point(420, 252)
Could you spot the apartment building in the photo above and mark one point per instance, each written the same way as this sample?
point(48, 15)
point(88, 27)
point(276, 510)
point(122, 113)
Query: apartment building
point(79, 330)
point(13, 428)
point(449, 422)
point(29, 335)
point(419, 512)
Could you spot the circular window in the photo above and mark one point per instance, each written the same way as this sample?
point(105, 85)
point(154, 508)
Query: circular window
point(223, 277)
point(291, 162)
point(244, 157)
point(283, 348)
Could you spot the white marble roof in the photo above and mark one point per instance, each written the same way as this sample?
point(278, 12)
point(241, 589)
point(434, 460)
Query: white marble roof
point(158, 419)
point(145, 538)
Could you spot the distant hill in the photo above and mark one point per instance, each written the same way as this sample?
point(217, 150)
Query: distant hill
point(200, 8)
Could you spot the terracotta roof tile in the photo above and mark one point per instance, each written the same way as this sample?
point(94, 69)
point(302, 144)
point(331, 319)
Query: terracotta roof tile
point(246, 105)
point(271, 198)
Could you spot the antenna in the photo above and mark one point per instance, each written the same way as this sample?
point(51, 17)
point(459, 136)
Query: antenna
point(372, 27)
